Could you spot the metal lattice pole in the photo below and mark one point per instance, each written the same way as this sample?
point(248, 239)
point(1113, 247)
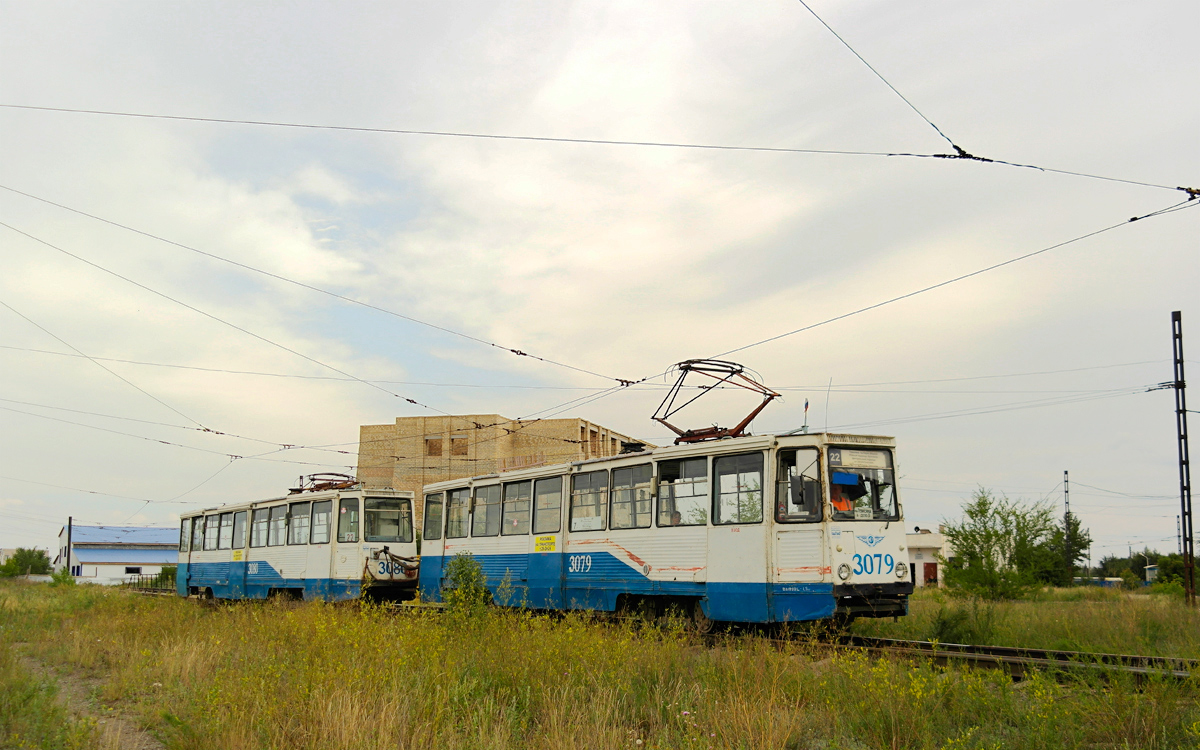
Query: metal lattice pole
point(1185, 473)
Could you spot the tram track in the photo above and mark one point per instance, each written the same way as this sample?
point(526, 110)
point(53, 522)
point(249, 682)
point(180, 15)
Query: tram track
point(1019, 662)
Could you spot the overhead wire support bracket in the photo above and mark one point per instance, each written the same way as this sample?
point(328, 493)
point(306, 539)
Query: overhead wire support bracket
point(725, 373)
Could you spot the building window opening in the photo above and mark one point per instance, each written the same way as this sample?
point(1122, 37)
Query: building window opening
point(133, 570)
point(458, 445)
point(433, 446)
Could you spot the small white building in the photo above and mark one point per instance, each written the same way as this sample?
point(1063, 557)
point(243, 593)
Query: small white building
point(111, 554)
point(924, 548)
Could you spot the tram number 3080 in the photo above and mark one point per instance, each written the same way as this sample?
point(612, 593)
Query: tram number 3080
point(579, 563)
point(873, 564)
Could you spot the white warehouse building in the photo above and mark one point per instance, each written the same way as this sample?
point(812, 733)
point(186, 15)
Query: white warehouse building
point(111, 554)
point(926, 548)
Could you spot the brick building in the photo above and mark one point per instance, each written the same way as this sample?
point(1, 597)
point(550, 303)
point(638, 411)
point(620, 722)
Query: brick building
point(415, 451)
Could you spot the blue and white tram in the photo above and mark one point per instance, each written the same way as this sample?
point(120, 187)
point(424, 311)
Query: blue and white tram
point(687, 526)
point(311, 545)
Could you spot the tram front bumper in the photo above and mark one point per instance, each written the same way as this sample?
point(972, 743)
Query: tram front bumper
point(872, 599)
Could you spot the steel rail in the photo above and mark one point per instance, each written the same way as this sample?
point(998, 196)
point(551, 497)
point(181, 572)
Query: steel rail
point(1019, 661)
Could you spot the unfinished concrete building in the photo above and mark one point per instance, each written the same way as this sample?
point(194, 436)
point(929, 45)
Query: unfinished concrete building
point(415, 451)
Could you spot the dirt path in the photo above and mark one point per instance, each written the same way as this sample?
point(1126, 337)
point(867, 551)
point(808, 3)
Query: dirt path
point(77, 694)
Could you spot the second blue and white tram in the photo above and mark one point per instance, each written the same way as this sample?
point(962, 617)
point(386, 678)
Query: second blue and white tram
point(750, 529)
point(328, 545)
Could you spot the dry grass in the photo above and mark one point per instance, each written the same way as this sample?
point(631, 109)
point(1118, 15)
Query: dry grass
point(254, 675)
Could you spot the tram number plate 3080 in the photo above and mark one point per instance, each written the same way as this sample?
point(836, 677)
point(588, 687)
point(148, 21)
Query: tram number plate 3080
point(579, 563)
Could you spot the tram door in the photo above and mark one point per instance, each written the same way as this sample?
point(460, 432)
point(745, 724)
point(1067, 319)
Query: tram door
point(737, 540)
point(800, 552)
point(347, 560)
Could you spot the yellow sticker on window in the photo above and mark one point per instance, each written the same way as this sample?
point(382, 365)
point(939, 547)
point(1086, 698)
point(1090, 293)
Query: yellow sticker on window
point(237, 555)
point(544, 543)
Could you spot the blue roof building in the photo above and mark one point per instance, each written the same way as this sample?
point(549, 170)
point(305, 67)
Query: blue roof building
point(113, 554)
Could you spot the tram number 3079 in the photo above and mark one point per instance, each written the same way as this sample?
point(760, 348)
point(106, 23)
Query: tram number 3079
point(579, 563)
point(873, 564)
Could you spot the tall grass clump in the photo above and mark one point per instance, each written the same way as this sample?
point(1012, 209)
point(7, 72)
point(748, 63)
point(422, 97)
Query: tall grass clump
point(312, 675)
point(30, 715)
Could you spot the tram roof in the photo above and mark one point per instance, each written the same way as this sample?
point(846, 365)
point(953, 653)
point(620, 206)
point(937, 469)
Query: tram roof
point(683, 451)
point(300, 497)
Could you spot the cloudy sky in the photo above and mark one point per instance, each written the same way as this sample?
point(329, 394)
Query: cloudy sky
point(615, 259)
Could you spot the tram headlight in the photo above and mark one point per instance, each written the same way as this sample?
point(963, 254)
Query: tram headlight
point(901, 570)
point(844, 572)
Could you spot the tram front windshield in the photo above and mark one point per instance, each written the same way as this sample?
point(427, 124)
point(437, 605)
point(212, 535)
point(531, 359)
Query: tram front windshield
point(387, 519)
point(862, 485)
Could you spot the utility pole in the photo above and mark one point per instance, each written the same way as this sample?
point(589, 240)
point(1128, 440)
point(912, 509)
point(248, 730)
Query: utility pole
point(1067, 492)
point(1178, 537)
point(1068, 536)
point(1185, 472)
point(70, 570)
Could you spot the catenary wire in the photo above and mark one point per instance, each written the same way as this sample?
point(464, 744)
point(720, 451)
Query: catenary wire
point(98, 364)
point(279, 277)
point(878, 75)
point(958, 155)
point(1170, 209)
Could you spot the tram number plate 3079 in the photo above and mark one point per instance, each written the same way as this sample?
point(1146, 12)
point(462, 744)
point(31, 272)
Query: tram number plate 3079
point(876, 563)
point(579, 563)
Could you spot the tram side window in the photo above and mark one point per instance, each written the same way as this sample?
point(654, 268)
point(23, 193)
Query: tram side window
point(258, 528)
point(210, 532)
point(739, 489)
point(348, 520)
point(486, 518)
point(798, 486)
point(632, 507)
point(225, 537)
point(197, 533)
point(277, 527)
point(387, 519)
point(185, 532)
point(321, 511)
point(433, 516)
point(547, 514)
point(299, 517)
point(516, 508)
point(589, 501)
point(683, 492)
point(458, 513)
point(239, 529)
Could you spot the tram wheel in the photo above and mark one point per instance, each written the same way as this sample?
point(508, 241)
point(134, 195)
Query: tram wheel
point(700, 621)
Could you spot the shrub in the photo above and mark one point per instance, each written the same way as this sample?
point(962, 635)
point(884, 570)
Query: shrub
point(465, 588)
point(62, 577)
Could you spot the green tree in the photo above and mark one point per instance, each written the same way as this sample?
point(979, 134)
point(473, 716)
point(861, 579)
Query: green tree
point(26, 561)
point(1000, 545)
point(1068, 546)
